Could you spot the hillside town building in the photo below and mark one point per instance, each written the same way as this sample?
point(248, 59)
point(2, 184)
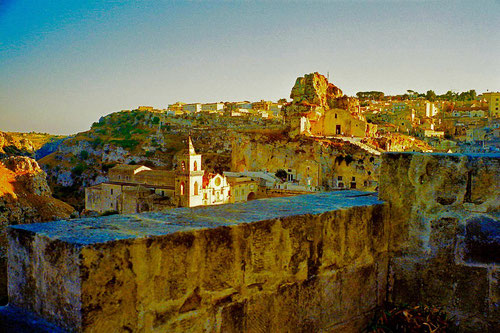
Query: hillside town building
point(137, 188)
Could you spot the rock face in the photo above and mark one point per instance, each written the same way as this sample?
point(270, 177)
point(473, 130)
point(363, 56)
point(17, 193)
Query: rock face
point(324, 160)
point(308, 263)
point(25, 197)
point(13, 145)
point(313, 99)
point(448, 208)
point(315, 89)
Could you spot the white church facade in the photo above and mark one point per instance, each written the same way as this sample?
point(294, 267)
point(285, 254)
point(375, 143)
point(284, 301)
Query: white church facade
point(137, 188)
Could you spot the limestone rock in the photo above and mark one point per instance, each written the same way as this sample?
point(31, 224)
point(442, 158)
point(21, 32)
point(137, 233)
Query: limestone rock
point(13, 145)
point(444, 211)
point(25, 197)
point(312, 97)
point(315, 89)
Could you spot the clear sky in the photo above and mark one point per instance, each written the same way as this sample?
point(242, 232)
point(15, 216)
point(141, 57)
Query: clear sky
point(64, 64)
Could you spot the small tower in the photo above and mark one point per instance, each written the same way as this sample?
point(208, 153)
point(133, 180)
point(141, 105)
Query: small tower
point(189, 180)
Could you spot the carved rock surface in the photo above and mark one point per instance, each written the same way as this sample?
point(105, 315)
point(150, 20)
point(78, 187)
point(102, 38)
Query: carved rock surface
point(307, 263)
point(315, 89)
point(25, 197)
point(445, 212)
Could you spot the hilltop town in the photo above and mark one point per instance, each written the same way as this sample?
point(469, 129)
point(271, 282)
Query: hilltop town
point(215, 154)
point(318, 140)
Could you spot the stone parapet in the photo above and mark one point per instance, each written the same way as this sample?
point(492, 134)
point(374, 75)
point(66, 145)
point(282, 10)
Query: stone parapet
point(445, 211)
point(315, 262)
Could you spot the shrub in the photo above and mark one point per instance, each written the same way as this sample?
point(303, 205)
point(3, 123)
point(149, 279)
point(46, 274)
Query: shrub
point(126, 143)
point(79, 169)
point(84, 155)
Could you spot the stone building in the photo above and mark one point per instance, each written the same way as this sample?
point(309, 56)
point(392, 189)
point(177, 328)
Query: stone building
point(242, 188)
point(137, 188)
point(324, 262)
point(319, 108)
point(493, 100)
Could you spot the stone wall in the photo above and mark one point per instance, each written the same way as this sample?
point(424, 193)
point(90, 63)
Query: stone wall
point(448, 208)
point(319, 262)
point(298, 264)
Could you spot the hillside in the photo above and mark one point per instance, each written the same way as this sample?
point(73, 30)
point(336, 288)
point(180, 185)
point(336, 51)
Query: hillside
point(25, 197)
point(139, 137)
point(24, 144)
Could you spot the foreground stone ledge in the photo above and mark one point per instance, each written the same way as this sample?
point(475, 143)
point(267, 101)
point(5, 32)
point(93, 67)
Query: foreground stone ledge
point(447, 210)
point(305, 263)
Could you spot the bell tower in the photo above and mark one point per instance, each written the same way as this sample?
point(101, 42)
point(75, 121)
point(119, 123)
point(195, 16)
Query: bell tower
point(189, 180)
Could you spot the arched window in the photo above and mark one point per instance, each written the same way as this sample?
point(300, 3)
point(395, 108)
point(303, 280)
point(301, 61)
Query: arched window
point(183, 166)
point(182, 188)
point(195, 166)
point(195, 187)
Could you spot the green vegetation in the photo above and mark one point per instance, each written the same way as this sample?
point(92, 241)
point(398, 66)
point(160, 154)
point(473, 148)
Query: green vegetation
point(125, 144)
point(463, 96)
point(97, 142)
point(84, 155)
point(370, 95)
point(430, 95)
point(79, 169)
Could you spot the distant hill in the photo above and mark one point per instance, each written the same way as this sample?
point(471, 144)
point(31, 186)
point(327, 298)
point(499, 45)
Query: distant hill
point(24, 144)
point(139, 137)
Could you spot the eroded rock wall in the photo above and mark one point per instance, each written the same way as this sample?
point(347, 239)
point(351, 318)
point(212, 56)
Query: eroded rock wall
point(448, 208)
point(323, 270)
point(25, 197)
point(329, 158)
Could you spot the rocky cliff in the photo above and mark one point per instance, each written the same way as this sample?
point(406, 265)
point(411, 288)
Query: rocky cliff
point(25, 197)
point(312, 95)
point(139, 137)
point(14, 145)
point(314, 89)
point(326, 159)
point(24, 144)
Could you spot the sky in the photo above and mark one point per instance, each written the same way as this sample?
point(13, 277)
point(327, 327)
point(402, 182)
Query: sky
point(64, 64)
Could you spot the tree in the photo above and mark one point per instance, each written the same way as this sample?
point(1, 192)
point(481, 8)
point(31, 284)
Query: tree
point(84, 155)
point(371, 95)
point(282, 101)
point(430, 95)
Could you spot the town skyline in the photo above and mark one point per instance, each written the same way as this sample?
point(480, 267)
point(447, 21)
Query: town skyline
point(66, 66)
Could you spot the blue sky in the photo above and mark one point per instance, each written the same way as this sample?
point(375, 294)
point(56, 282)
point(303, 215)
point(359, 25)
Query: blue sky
point(64, 64)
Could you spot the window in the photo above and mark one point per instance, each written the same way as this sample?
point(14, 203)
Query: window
point(111, 191)
point(195, 187)
point(353, 179)
point(339, 178)
point(335, 116)
point(182, 188)
point(183, 166)
point(195, 166)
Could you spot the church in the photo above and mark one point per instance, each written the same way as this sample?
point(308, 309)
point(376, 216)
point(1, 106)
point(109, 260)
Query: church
point(137, 188)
